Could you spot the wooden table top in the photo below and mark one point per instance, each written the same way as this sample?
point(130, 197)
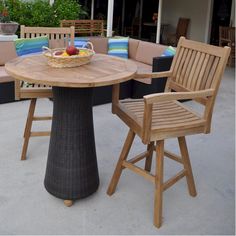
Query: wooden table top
point(102, 70)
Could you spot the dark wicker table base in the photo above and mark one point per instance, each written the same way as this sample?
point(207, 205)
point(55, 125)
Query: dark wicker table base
point(72, 171)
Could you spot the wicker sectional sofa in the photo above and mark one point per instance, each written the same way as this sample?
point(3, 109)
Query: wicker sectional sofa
point(145, 54)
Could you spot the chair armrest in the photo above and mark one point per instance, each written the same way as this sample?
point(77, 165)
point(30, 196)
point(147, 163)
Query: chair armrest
point(153, 98)
point(153, 75)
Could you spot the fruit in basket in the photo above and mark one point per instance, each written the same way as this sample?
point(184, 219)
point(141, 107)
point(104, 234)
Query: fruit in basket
point(65, 54)
point(83, 52)
point(72, 50)
point(58, 53)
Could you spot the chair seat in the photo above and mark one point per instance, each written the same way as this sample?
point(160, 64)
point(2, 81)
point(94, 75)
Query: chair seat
point(167, 117)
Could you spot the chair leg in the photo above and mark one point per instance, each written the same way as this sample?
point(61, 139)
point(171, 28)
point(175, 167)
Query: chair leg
point(159, 183)
point(28, 127)
point(187, 166)
point(148, 162)
point(123, 156)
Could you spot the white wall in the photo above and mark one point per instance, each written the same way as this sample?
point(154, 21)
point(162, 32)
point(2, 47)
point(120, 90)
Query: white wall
point(197, 10)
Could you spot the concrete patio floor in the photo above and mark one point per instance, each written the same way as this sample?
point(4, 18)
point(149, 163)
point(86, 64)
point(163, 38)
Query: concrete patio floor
point(27, 208)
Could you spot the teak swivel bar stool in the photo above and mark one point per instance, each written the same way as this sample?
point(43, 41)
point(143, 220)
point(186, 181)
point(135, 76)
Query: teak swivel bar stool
point(58, 37)
point(195, 73)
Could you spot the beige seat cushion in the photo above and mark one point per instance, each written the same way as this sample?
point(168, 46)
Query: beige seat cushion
point(143, 68)
point(146, 51)
point(4, 77)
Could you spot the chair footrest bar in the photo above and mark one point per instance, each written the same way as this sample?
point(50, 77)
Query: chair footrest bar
point(138, 157)
point(40, 133)
point(39, 118)
point(173, 156)
point(139, 171)
point(174, 179)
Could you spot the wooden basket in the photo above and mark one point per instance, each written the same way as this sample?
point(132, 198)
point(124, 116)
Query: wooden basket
point(68, 61)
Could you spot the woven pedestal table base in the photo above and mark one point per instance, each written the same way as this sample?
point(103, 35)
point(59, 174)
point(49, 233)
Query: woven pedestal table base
point(72, 171)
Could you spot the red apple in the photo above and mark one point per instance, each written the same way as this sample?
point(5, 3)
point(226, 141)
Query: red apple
point(71, 50)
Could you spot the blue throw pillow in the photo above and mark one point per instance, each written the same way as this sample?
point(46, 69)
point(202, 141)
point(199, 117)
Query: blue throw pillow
point(169, 51)
point(25, 46)
point(80, 42)
point(118, 47)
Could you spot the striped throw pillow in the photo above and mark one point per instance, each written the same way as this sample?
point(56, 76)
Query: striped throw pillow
point(169, 51)
point(118, 47)
point(80, 42)
point(25, 46)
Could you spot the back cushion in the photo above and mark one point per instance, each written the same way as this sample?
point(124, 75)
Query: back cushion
point(26, 46)
point(146, 51)
point(7, 52)
point(100, 44)
point(133, 45)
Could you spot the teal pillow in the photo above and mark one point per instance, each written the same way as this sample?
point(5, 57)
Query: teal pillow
point(25, 46)
point(118, 47)
point(80, 42)
point(169, 51)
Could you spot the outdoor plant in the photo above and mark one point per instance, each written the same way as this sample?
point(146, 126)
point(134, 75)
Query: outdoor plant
point(67, 10)
point(41, 13)
point(6, 25)
point(4, 16)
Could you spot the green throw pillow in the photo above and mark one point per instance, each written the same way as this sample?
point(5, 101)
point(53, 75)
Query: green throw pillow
point(169, 51)
point(118, 47)
point(25, 46)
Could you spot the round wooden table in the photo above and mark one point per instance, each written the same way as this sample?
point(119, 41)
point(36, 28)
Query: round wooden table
point(72, 171)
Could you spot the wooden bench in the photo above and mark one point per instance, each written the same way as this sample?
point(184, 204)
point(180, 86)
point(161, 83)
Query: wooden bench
point(85, 27)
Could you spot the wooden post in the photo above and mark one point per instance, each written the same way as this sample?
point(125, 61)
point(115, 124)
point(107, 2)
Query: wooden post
point(110, 17)
point(123, 17)
point(140, 19)
point(92, 9)
point(159, 22)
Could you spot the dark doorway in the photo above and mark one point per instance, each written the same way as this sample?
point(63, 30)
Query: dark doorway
point(220, 17)
point(133, 22)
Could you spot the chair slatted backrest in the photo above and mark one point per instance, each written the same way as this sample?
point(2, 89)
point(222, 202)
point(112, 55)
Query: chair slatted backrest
point(198, 66)
point(232, 34)
point(58, 37)
point(85, 27)
point(226, 34)
point(223, 33)
point(182, 27)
